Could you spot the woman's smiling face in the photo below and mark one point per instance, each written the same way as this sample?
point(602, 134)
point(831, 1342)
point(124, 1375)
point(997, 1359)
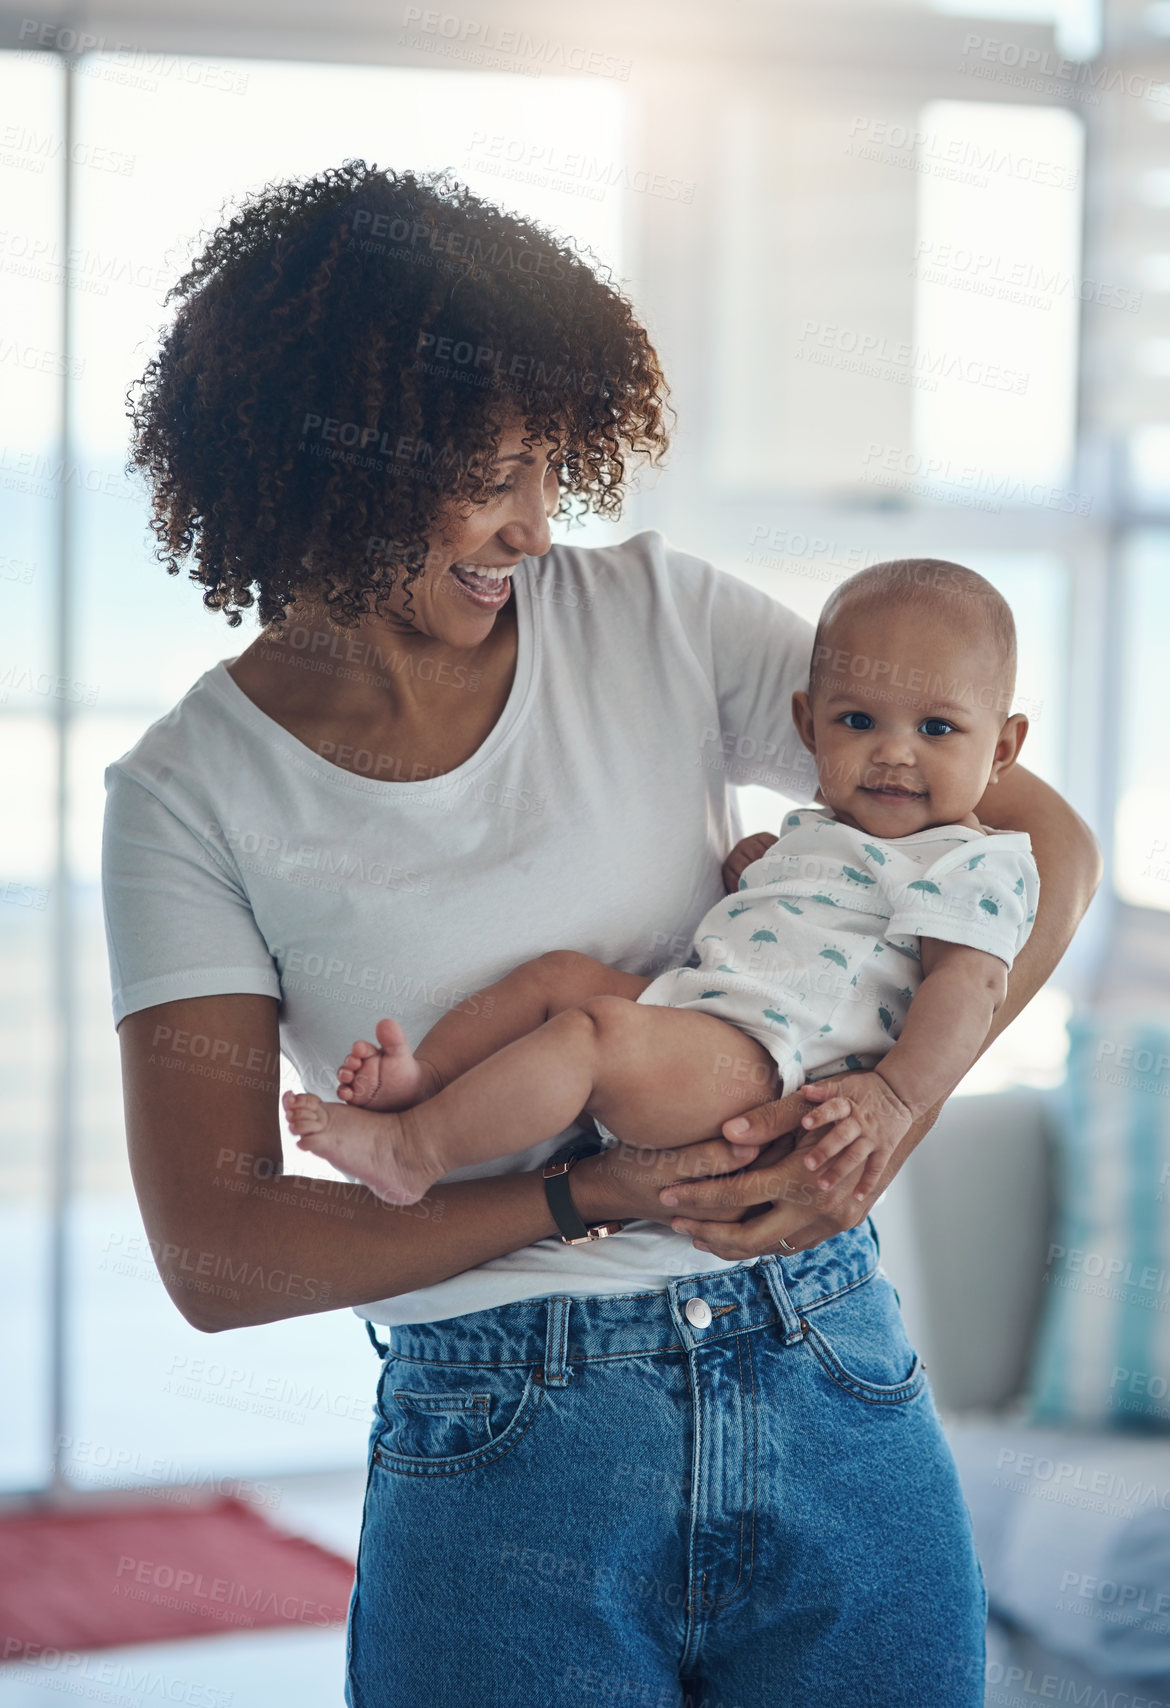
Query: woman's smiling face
point(467, 578)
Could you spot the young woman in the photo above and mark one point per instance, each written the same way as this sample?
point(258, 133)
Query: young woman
point(693, 1461)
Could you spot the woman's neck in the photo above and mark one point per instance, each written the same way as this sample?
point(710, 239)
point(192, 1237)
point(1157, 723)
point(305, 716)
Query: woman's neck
point(421, 704)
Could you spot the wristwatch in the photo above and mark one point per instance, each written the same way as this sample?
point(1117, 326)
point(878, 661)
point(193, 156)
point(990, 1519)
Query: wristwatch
point(556, 1173)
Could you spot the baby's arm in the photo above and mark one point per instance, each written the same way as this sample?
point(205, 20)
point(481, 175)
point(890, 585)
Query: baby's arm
point(943, 1032)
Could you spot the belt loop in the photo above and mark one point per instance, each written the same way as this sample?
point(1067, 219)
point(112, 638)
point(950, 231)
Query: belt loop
point(556, 1344)
point(374, 1341)
point(872, 1226)
point(789, 1318)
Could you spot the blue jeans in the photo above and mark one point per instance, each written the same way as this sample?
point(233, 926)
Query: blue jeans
point(732, 1494)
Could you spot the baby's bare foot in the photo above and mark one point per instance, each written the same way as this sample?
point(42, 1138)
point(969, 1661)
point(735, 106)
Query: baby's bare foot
point(360, 1142)
point(385, 1075)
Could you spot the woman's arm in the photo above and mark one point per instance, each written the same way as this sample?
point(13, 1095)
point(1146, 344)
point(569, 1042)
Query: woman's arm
point(1069, 863)
point(239, 1242)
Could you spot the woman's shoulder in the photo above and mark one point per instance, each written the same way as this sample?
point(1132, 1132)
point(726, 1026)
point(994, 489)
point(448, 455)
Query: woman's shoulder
point(190, 740)
point(633, 568)
point(649, 578)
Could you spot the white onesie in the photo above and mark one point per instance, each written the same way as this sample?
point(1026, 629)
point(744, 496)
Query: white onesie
point(817, 955)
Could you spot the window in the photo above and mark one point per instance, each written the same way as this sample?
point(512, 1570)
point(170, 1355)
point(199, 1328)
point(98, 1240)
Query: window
point(294, 1394)
point(997, 265)
point(1142, 836)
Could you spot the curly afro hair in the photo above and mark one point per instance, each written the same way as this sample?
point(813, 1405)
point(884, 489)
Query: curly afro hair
point(348, 349)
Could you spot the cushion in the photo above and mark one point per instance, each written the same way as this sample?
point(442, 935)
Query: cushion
point(1103, 1348)
point(964, 1229)
point(1073, 1533)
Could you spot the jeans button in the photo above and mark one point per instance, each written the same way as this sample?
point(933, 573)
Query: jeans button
point(697, 1312)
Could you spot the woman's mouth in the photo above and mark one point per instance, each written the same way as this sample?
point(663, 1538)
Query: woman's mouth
point(484, 585)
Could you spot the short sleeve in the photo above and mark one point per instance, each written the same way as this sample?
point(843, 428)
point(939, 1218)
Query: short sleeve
point(757, 653)
point(178, 924)
point(982, 894)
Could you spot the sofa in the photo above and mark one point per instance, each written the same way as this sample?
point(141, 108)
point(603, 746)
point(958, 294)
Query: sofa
point(1072, 1523)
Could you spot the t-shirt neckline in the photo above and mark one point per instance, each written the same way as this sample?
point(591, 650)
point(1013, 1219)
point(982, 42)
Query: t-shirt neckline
point(220, 679)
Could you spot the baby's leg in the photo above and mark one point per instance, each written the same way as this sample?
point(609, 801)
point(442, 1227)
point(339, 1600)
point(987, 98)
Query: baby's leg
point(656, 1076)
point(391, 1076)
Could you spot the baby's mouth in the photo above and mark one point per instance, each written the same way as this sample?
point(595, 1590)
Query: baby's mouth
point(893, 792)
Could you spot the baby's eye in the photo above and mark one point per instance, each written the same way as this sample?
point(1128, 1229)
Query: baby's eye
point(864, 720)
point(935, 726)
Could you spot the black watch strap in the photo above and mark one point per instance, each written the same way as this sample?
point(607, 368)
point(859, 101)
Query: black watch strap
point(560, 1198)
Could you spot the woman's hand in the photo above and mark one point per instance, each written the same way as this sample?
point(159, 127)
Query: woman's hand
point(624, 1182)
point(775, 1198)
point(738, 1196)
point(749, 1214)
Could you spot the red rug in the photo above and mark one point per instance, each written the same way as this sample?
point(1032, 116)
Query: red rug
point(104, 1577)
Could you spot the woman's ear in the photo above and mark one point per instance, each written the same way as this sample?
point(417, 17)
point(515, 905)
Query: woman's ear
point(1007, 748)
point(803, 719)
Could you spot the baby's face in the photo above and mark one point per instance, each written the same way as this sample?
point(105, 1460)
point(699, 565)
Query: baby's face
point(905, 721)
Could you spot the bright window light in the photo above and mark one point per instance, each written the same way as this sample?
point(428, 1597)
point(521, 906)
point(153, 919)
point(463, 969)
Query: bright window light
point(996, 312)
point(1154, 187)
point(1154, 271)
point(1077, 22)
point(1142, 829)
point(550, 149)
point(1154, 356)
point(157, 161)
point(32, 274)
point(1148, 466)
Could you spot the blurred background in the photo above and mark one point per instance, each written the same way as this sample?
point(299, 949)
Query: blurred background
point(908, 270)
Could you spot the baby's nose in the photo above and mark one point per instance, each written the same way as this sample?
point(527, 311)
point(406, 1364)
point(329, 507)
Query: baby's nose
point(892, 747)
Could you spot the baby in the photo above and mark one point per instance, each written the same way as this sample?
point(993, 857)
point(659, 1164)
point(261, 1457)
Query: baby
point(874, 934)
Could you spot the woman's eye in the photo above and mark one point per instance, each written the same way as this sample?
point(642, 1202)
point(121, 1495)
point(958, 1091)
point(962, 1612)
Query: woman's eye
point(935, 726)
point(857, 720)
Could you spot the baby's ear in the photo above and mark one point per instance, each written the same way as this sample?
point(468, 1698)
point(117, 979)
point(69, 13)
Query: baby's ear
point(1007, 748)
point(803, 719)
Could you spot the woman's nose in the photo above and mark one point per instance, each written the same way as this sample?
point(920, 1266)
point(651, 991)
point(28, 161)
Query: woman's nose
point(527, 528)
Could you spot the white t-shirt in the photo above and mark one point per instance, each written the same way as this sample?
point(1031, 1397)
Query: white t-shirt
point(596, 816)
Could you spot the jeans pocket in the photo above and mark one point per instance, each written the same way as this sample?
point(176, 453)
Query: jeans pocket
point(860, 1342)
point(439, 1419)
point(438, 1425)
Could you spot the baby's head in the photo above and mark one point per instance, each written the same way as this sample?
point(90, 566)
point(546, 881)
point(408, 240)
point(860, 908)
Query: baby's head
point(909, 695)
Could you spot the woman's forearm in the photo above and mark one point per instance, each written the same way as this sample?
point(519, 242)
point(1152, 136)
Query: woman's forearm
point(236, 1240)
point(291, 1245)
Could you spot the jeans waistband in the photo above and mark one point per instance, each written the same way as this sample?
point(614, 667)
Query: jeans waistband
point(555, 1333)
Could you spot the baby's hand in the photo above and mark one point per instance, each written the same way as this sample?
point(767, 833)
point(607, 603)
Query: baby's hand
point(864, 1119)
point(742, 855)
